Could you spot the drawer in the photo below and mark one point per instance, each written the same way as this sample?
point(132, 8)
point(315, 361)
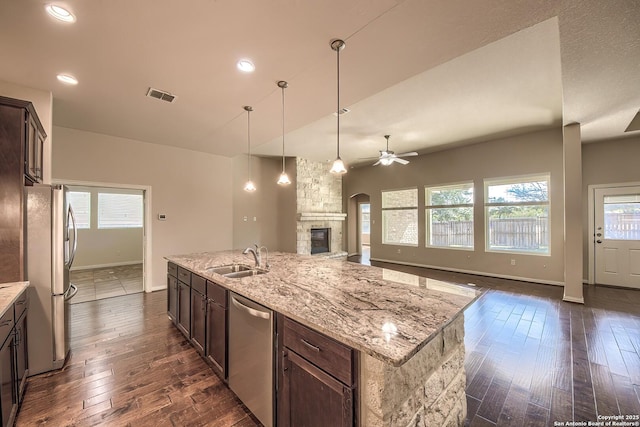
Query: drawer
point(172, 269)
point(21, 304)
point(324, 352)
point(184, 275)
point(217, 293)
point(199, 284)
point(6, 325)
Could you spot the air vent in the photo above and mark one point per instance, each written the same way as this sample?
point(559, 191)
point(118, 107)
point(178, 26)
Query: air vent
point(161, 95)
point(342, 111)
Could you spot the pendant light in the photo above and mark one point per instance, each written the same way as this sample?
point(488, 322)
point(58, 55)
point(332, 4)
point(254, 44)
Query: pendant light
point(249, 186)
point(338, 165)
point(284, 178)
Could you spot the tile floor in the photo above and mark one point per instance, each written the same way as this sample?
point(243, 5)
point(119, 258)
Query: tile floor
point(100, 283)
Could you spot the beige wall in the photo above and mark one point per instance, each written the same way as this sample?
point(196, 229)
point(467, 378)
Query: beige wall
point(110, 246)
point(193, 189)
point(608, 162)
point(273, 206)
point(532, 153)
point(43, 102)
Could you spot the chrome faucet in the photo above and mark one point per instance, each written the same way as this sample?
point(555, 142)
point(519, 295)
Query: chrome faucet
point(256, 254)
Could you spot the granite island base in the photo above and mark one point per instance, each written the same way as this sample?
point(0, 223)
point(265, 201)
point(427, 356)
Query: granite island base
point(393, 342)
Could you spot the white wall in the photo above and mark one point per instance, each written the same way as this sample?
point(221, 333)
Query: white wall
point(105, 247)
point(43, 102)
point(193, 189)
point(532, 153)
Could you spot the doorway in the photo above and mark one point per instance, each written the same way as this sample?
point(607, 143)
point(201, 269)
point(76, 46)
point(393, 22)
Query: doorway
point(111, 255)
point(616, 235)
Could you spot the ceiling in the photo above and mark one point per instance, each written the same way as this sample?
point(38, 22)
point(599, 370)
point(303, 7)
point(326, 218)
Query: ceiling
point(431, 73)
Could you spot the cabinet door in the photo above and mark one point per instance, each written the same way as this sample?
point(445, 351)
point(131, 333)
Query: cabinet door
point(198, 317)
point(21, 355)
point(184, 308)
point(216, 349)
point(312, 398)
point(31, 150)
point(172, 298)
point(7, 374)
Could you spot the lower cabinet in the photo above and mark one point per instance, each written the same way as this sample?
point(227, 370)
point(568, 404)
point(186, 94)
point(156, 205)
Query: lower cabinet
point(184, 308)
point(216, 342)
point(172, 298)
point(318, 379)
point(13, 358)
point(198, 312)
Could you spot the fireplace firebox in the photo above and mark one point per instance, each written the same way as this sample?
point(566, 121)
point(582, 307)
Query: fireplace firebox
point(320, 238)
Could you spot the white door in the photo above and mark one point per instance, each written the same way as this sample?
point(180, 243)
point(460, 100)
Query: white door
point(617, 236)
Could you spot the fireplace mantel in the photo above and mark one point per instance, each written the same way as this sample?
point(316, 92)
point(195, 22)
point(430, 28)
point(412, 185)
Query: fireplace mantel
point(321, 216)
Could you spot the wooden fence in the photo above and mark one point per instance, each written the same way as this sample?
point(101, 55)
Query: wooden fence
point(504, 233)
point(621, 226)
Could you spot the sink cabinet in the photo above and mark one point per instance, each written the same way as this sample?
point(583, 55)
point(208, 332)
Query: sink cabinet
point(318, 379)
point(198, 312)
point(216, 342)
point(184, 302)
point(172, 291)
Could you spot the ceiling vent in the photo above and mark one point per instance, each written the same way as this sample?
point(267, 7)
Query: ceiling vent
point(161, 95)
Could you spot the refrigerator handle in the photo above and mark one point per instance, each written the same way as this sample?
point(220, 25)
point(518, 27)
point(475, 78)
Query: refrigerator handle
point(72, 255)
point(71, 292)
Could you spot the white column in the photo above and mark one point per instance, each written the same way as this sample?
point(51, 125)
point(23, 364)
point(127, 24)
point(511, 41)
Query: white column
point(572, 169)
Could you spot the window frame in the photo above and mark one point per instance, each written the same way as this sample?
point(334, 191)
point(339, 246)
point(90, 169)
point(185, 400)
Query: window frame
point(120, 227)
point(428, 209)
point(520, 179)
point(77, 218)
point(393, 209)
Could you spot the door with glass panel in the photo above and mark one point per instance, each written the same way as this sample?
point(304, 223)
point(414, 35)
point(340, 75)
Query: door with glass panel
point(617, 236)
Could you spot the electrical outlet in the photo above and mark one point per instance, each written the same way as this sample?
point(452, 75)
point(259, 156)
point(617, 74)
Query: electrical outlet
point(244, 219)
point(513, 261)
point(399, 250)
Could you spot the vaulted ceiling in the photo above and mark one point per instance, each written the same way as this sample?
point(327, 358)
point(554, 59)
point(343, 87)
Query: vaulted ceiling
point(430, 73)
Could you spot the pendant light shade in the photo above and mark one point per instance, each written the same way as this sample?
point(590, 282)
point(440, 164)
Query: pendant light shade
point(284, 178)
point(249, 186)
point(338, 165)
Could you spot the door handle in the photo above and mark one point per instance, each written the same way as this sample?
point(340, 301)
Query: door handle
point(598, 241)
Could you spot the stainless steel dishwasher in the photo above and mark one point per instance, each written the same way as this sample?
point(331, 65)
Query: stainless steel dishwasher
point(251, 356)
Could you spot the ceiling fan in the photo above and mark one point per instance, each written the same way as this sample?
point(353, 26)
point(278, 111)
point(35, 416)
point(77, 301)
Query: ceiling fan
point(387, 156)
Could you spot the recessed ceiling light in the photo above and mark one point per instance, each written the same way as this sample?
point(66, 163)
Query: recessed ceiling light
point(67, 79)
point(60, 13)
point(246, 66)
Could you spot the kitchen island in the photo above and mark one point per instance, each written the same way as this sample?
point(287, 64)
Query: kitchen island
point(407, 331)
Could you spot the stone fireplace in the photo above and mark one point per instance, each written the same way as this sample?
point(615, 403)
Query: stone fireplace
point(319, 206)
point(320, 240)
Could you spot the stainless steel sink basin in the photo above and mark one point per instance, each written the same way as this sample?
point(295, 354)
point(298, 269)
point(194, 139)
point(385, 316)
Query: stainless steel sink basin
point(245, 273)
point(236, 271)
point(229, 268)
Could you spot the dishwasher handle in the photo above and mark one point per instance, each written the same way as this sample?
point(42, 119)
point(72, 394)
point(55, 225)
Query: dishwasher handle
point(252, 311)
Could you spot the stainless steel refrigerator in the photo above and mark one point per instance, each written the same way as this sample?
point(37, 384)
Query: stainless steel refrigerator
point(51, 246)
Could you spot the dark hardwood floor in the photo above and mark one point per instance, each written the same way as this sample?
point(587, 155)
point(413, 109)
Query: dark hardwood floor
point(531, 360)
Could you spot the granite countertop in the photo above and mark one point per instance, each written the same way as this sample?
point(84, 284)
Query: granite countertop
point(387, 314)
point(9, 293)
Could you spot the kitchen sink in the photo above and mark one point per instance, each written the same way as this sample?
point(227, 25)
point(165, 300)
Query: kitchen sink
point(236, 271)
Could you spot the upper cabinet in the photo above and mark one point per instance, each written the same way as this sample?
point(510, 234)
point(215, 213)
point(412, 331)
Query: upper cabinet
point(24, 136)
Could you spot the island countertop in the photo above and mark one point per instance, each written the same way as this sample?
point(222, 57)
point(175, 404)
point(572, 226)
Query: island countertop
point(387, 314)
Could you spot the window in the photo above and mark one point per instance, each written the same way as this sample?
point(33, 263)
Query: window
point(622, 217)
point(119, 210)
point(449, 216)
point(517, 214)
point(80, 202)
point(365, 218)
point(400, 217)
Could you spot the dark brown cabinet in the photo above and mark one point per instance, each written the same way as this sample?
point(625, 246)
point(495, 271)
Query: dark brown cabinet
point(13, 358)
point(172, 292)
point(184, 302)
point(34, 144)
point(318, 379)
point(216, 342)
point(198, 312)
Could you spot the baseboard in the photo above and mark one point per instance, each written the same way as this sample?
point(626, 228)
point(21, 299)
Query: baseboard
point(113, 264)
point(572, 299)
point(158, 288)
point(476, 273)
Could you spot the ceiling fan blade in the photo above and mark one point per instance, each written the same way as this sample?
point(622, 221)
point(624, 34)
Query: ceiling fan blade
point(376, 163)
point(368, 158)
point(411, 153)
point(401, 161)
